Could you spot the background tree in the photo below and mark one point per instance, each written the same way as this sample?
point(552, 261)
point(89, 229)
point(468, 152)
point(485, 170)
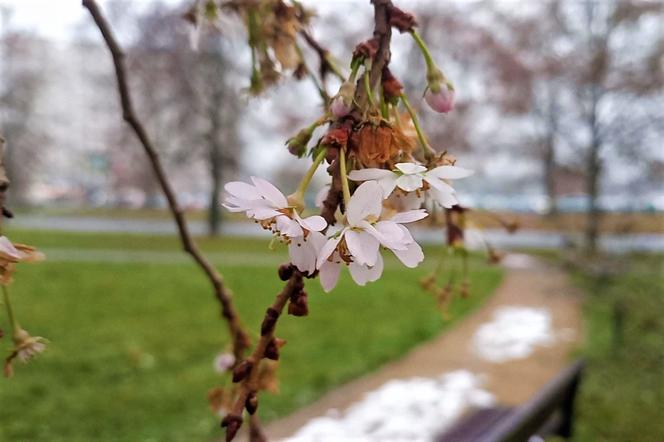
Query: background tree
point(190, 97)
point(20, 86)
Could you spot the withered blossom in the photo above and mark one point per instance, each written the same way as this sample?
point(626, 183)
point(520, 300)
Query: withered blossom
point(11, 254)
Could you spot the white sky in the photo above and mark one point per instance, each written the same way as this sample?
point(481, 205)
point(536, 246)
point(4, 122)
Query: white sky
point(56, 19)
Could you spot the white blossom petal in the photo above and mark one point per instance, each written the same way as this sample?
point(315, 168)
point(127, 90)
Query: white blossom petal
point(363, 274)
point(366, 201)
point(303, 254)
point(390, 229)
point(445, 199)
point(390, 243)
point(313, 223)
point(262, 213)
point(317, 240)
point(329, 274)
point(242, 190)
point(412, 256)
point(409, 183)
point(439, 184)
point(288, 227)
point(410, 168)
point(8, 249)
point(388, 184)
point(270, 192)
point(369, 174)
point(363, 247)
point(450, 172)
point(233, 208)
point(327, 250)
point(409, 216)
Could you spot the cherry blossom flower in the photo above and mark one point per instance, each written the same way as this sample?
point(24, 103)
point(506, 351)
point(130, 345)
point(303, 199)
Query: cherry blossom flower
point(410, 177)
point(303, 251)
point(26, 347)
point(358, 243)
point(11, 254)
point(266, 204)
point(331, 269)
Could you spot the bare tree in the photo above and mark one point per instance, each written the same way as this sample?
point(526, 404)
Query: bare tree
point(20, 83)
point(194, 107)
point(615, 73)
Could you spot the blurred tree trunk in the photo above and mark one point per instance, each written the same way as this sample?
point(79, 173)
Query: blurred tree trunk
point(549, 161)
point(549, 154)
point(593, 174)
point(215, 154)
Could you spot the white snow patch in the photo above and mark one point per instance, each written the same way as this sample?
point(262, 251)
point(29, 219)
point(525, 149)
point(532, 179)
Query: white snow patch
point(513, 333)
point(519, 261)
point(408, 410)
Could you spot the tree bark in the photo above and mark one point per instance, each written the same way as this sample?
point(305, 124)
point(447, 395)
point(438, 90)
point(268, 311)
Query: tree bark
point(549, 160)
point(593, 175)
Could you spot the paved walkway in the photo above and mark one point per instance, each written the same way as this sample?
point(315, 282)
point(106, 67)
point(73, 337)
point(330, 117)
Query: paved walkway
point(530, 291)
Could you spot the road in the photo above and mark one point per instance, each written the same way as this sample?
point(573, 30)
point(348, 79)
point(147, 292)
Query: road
point(523, 239)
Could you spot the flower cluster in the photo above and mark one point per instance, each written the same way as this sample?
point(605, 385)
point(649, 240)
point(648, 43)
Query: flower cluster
point(375, 217)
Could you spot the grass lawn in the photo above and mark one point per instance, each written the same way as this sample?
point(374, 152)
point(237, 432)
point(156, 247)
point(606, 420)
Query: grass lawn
point(622, 394)
point(133, 343)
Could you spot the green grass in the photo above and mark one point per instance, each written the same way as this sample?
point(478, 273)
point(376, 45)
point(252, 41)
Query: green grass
point(622, 394)
point(133, 343)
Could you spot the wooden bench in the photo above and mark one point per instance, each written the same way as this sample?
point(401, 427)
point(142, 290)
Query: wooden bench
point(549, 412)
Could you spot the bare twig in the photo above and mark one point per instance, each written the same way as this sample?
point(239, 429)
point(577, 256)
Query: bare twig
point(221, 292)
point(326, 64)
point(382, 34)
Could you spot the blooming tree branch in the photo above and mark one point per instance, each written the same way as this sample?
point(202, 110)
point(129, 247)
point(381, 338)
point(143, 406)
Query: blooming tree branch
point(239, 336)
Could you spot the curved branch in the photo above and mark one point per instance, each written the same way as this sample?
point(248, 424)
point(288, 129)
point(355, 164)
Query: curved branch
point(221, 292)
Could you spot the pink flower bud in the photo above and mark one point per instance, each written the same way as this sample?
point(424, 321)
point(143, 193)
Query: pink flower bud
point(339, 108)
point(224, 362)
point(441, 101)
point(342, 103)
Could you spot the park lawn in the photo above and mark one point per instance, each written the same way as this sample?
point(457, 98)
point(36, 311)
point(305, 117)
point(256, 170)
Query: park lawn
point(622, 393)
point(132, 343)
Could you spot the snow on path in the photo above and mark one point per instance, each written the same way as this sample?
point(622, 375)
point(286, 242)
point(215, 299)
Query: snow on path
point(408, 410)
point(513, 333)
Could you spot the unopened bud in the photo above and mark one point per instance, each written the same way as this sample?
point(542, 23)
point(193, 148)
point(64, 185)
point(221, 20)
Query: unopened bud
point(299, 306)
point(298, 144)
point(251, 404)
point(285, 272)
point(272, 348)
point(441, 101)
point(271, 316)
point(242, 370)
point(342, 103)
point(232, 423)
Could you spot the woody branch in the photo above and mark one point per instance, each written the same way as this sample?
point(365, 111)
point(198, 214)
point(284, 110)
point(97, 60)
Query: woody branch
point(222, 293)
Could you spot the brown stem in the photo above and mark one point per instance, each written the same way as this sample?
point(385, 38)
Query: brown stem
point(249, 383)
point(382, 34)
point(324, 55)
point(221, 292)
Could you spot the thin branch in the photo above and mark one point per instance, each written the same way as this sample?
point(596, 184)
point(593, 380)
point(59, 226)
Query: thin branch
point(221, 292)
point(326, 64)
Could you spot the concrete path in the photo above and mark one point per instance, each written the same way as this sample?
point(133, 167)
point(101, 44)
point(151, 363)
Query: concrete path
point(530, 290)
